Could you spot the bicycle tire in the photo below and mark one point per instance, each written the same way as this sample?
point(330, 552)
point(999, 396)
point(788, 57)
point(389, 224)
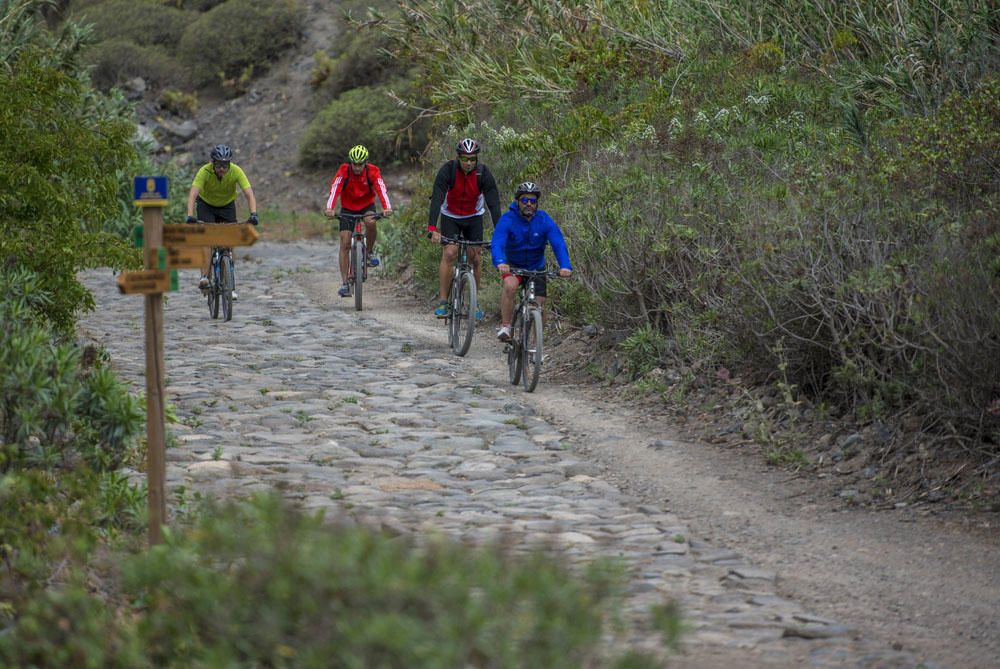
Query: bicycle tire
point(213, 291)
point(531, 349)
point(464, 316)
point(450, 318)
point(358, 264)
point(227, 284)
point(514, 350)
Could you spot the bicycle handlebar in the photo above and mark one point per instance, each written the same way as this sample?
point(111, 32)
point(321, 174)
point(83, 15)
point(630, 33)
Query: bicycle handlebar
point(354, 217)
point(535, 273)
point(461, 241)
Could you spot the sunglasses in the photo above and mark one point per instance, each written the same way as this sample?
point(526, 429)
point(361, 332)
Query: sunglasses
point(221, 165)
point(529, 200)
point(468, 159)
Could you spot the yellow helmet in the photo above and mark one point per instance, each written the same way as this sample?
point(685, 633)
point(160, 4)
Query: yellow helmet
point(358, 154)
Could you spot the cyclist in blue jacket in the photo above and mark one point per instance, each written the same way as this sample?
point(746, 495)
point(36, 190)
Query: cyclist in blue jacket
point(519, 240)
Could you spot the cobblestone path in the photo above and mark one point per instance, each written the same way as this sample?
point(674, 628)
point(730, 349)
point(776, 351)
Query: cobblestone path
point(340, 412)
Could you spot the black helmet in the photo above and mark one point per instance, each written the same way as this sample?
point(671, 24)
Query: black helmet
point(222, 152)
point(527, 187)
point(467, 145)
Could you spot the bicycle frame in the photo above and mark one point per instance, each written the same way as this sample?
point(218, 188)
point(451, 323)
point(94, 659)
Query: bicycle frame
point(525, 350)
point(462, 303)
point(221, 282)
point(357, 266)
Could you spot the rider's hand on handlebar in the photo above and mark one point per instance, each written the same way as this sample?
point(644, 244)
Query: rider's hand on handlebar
point(436, 236)
point(253, 218)
point(503, 268)
point(565, 272)
point(328, 213)
point(191, 219)
point(386, 213)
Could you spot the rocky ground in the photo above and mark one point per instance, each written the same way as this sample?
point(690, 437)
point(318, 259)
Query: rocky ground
point(370, 417)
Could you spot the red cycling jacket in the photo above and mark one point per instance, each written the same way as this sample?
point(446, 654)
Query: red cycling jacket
point(356, 192)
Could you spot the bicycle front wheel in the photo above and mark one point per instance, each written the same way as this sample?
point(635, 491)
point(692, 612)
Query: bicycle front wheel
point(463, 318)
point(213, 291)
point(358, 265)
point(228, 284)
point(531, 350)
point(514, 349)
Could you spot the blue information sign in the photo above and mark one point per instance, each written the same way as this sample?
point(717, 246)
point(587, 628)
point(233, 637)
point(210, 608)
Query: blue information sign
point(150, 191)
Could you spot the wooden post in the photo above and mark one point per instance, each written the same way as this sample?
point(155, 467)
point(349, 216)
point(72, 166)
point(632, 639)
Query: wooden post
point(156, 472)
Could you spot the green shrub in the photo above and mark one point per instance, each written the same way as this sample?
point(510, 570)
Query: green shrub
point(60, 186)
point(357, 63)
point(239, 34)
point(179, 102)
point(360, 116)
point(52, 411)
point(142, 22)
point(258, 585)
point(115, 61)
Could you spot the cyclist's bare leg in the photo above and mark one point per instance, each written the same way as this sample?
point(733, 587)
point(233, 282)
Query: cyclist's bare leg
point(474, 255)
point(448, 256)
point(345, 253)
point(371, 233)
point(507, 292)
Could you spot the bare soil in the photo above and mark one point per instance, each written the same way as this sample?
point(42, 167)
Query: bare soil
point(858, 527)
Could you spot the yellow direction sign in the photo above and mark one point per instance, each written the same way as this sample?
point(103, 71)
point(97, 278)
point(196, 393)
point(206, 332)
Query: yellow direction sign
point(213, 234)
point(183, 257)
point(147, 281)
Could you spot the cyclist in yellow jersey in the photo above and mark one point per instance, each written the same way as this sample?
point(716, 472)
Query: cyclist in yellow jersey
point(214, 192)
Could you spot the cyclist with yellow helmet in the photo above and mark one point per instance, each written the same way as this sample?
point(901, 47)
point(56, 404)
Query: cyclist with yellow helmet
point(356, 184)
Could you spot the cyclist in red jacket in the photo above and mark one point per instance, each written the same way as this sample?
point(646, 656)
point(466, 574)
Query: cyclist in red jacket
point(463, 190)
point(356, 183)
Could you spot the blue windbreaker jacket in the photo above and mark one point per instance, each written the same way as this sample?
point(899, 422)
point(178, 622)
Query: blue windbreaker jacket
point(521, 243)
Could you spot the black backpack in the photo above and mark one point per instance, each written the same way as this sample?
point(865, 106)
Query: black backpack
point(371, 186)
point(454, 169)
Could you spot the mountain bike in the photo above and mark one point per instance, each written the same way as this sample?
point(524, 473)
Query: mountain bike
point(524, 350)
point(221, 283)
point(357, 267)
point(462, 304)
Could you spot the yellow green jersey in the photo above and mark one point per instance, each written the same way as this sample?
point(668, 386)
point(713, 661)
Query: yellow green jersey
point(220, 192)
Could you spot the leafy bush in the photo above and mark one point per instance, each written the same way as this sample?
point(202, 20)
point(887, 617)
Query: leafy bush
point(179, 102)
point(142, 22)
point(57, 187)
point(239, 34)
point(115, 61)
point(257, 585)
point(360, 116)
point(53, 411)
point(357, 63)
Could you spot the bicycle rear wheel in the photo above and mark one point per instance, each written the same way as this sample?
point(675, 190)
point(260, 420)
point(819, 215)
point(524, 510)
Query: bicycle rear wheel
point(514, 349)
point(532, 349)
point(227, 282)
point(358, 265)
point(213, 291)
point(463, 317)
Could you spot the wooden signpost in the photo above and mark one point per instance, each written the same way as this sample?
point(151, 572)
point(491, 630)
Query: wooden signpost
point(214, 234)
point(151, 195)
point(166, 248)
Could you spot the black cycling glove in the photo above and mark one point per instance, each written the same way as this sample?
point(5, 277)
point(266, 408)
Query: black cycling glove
point(254, 219)
point(191, 219)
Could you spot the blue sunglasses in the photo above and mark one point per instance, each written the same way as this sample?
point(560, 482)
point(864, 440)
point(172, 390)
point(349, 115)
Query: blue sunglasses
point(529, 200)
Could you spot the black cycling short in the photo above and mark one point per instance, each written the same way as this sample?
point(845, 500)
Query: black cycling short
point(347, 225)
point(471, 228)
point(211, 214)
point(539, 285)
